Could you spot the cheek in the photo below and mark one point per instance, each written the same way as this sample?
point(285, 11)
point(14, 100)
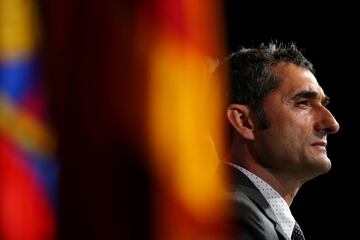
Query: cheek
point(292, 133)
point(291, 121)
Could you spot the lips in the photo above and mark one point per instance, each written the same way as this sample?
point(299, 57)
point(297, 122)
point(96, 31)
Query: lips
point(319, 143)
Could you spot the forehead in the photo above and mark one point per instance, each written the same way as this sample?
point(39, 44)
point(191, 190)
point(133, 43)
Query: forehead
point(295, 78)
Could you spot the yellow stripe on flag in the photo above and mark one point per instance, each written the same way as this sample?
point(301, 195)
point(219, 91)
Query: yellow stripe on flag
point(19, 28)
point(26, 130)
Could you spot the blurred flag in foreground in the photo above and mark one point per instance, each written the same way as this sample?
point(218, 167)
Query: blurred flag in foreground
point(176, 41)
point(28, 172)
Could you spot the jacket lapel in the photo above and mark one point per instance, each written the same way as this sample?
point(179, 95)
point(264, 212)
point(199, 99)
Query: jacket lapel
point(242, 183)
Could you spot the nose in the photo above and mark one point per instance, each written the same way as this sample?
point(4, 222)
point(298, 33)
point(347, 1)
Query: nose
point(327, 122)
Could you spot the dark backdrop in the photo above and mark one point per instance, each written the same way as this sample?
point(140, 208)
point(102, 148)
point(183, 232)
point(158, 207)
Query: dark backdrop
point(325, 204)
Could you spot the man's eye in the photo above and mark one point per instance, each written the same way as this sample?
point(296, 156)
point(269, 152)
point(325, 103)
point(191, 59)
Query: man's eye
point(303, 103)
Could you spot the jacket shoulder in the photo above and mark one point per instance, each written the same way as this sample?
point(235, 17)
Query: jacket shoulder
point(248, 220)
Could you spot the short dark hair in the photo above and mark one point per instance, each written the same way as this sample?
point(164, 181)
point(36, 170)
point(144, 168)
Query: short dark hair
point(251, 77)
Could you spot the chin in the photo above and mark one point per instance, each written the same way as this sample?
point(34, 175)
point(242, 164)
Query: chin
point(322, 166)
point(329, 165)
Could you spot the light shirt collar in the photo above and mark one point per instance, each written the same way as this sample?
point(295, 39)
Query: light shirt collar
point(276, 202)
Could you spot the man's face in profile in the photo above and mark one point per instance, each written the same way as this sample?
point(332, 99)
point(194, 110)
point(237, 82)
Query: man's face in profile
point(296, 140)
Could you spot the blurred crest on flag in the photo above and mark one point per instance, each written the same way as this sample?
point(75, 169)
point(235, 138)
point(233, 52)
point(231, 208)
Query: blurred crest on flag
point(178, 42)
point(28, 171)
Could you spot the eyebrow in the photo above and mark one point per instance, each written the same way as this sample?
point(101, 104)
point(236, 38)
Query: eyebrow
point(312, 95)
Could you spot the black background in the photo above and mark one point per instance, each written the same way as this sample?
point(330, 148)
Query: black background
point(327, 35)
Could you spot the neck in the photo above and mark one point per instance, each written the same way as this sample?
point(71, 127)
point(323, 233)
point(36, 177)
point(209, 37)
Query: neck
point(284, 183)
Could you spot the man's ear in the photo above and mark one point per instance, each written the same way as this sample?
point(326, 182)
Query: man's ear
point(239, 117)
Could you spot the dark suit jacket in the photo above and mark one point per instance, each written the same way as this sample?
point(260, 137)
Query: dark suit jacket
point(251, 215)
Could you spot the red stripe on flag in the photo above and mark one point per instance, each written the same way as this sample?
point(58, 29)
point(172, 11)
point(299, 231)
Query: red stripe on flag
point(25, 211)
